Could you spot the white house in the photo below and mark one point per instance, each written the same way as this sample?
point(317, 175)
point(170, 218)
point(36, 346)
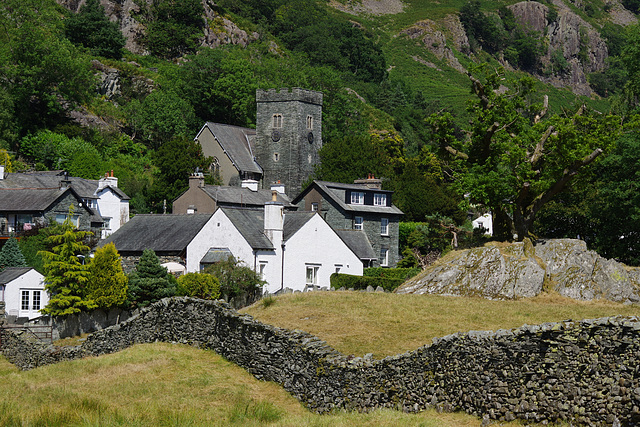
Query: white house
point(22, 290)
point(112, 204)
point(484, 221)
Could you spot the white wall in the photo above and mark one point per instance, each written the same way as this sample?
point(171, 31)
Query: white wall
point(110, 205)
point(485, 221)
point(30, 281)
point(317, 244)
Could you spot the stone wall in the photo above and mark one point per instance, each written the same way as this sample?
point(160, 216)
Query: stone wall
point(583, 372)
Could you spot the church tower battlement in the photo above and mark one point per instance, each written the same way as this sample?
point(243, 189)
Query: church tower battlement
point(288, 136)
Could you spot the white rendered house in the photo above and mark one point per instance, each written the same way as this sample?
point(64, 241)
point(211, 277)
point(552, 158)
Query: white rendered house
point(22, 290)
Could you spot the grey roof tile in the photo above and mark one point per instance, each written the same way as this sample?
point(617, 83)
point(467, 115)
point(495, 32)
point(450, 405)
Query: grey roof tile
point(11, 273)
point(86, 188)
point(214, 255)
point(161, 233)
point(239, 196)
point(250, 223)
point(236, 141)
point(293, 221)
point(358, 242)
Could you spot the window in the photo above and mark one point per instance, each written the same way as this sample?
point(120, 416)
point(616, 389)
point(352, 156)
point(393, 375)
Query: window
point(275, 157)
point(35, 304)
point(384, 226)
point(309, 122)
point(357, 198)
point(25, 300)
point(277, 120)
point(380, 199)
point(358, 223)
point(312, 274)
point(106, 225)
point(60, 218)
point(384, 257)
point(314, 207)
point(338, 268)
point(263, 265)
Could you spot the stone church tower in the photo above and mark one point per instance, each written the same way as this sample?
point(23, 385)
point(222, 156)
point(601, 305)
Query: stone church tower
point(288, 136)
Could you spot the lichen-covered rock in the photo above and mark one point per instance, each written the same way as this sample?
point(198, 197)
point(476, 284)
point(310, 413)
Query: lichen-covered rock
point(433, 38)
point(522, 270)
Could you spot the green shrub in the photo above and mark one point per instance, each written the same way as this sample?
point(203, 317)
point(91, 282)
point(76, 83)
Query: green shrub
point(199, 285)
point(349, 281)
point(391, 273)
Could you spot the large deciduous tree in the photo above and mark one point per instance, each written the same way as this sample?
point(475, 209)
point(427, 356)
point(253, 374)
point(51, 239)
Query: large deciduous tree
point(513, 160)
point(91, 28)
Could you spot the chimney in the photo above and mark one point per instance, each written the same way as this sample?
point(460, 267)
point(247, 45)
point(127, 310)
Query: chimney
point(370, 182)
point(191, 209)
point(251, 184)
point(108, 180)
point(1, 171)
point(65, 182)
point(278, 186)
point(274, 219)
point(196, 180)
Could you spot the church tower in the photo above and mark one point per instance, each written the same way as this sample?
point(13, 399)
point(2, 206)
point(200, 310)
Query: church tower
point(288, 136)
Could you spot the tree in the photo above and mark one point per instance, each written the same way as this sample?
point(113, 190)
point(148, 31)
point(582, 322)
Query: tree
point(107, 284)
point(199, 285)
point(11, 255)
point(66, 275)
point(91, 28)
point(631, 59)
point(150, 282)
point(236, 279)
point(513, 161)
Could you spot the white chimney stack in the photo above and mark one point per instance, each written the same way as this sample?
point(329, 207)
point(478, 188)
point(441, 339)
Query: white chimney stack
point(274, 219)
point(278, 186)
point(251, 184)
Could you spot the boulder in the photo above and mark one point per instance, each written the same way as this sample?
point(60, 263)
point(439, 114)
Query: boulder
point(509, 271)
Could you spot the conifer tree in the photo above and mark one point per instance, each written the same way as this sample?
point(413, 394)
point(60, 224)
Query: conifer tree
point(107, 285)
point(91, 28)
point(11, 255)
point(65, 274)
point(151, 281)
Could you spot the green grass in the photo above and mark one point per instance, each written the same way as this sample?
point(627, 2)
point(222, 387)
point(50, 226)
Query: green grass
point(164, 384)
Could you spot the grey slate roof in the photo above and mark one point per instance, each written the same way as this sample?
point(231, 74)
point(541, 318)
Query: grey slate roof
point(85, 188)
point(11, 273)
point(250, 223)
point(336, 191)
point(162, 233)
point(239, 196)
point(237, 142)
point(28, 200)
point(358, 242)
point(214, 255)
point(293, 221)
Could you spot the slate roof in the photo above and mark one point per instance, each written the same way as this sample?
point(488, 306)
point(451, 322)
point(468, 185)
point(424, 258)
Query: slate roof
point(29, 200)
point(237, 142)
point(250, 223)
point(11, 273)
point(336, 191)
point(293, 221)
point(214, 255)
point(239, 196)
point(358, 242)
point(161, 233)
point(85, 188)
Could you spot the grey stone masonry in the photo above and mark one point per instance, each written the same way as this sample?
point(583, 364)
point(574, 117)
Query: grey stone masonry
point(288, 136)
point(576, 372)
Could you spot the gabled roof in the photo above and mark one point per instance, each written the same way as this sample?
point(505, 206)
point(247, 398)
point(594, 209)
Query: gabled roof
point(335, 192)
point(239, 196)
point(294, 221)
point(161, 233)
point(358, 242)
point(215, 255)
point(9, 274)
point(85, 188)
point(237, 142)
point(250, 223)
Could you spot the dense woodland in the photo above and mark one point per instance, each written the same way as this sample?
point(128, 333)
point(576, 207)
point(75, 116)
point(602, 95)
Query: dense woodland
point(546, 162)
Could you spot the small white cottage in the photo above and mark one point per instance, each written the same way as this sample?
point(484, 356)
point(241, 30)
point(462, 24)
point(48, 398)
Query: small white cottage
point(22, 290)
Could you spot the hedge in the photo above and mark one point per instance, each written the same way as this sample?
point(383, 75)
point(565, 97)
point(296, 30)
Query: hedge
point(348, 281)
point(392, 273)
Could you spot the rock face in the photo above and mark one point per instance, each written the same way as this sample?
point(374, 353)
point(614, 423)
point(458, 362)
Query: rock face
point(434, 39)
point(522, 270)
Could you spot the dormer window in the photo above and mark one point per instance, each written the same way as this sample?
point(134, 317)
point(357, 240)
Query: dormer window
point(380, 199)
point(277, 120)
point(357, 198)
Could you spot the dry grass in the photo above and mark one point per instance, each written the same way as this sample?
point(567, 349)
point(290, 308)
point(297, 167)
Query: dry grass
point(387, 324)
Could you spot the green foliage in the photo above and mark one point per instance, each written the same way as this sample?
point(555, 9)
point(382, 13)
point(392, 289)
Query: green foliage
point(34, 241)
point(482, 29)
point(66, 275)
point(11, 256)
point(150, 282)
point(349, 158)
point(632, 5)
point(107, 283)
point(172, 27)
point(348, 281)
point(199, 285)
point(391, 273)
point(631, 58)
point(91, 28)
point(236, 279)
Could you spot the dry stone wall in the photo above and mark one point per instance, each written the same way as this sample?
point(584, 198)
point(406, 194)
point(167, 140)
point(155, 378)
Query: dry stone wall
point(582, 372)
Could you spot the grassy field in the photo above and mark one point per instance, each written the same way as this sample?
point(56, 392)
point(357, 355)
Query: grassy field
point(164, 384)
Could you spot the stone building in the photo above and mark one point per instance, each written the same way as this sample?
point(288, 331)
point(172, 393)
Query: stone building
point(283, 148)
point(362, 212)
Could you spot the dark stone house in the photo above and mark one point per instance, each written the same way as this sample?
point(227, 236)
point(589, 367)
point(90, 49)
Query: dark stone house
point(362, 206)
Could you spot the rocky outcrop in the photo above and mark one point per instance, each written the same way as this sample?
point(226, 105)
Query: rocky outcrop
point(523, 270)
point(433, 37)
